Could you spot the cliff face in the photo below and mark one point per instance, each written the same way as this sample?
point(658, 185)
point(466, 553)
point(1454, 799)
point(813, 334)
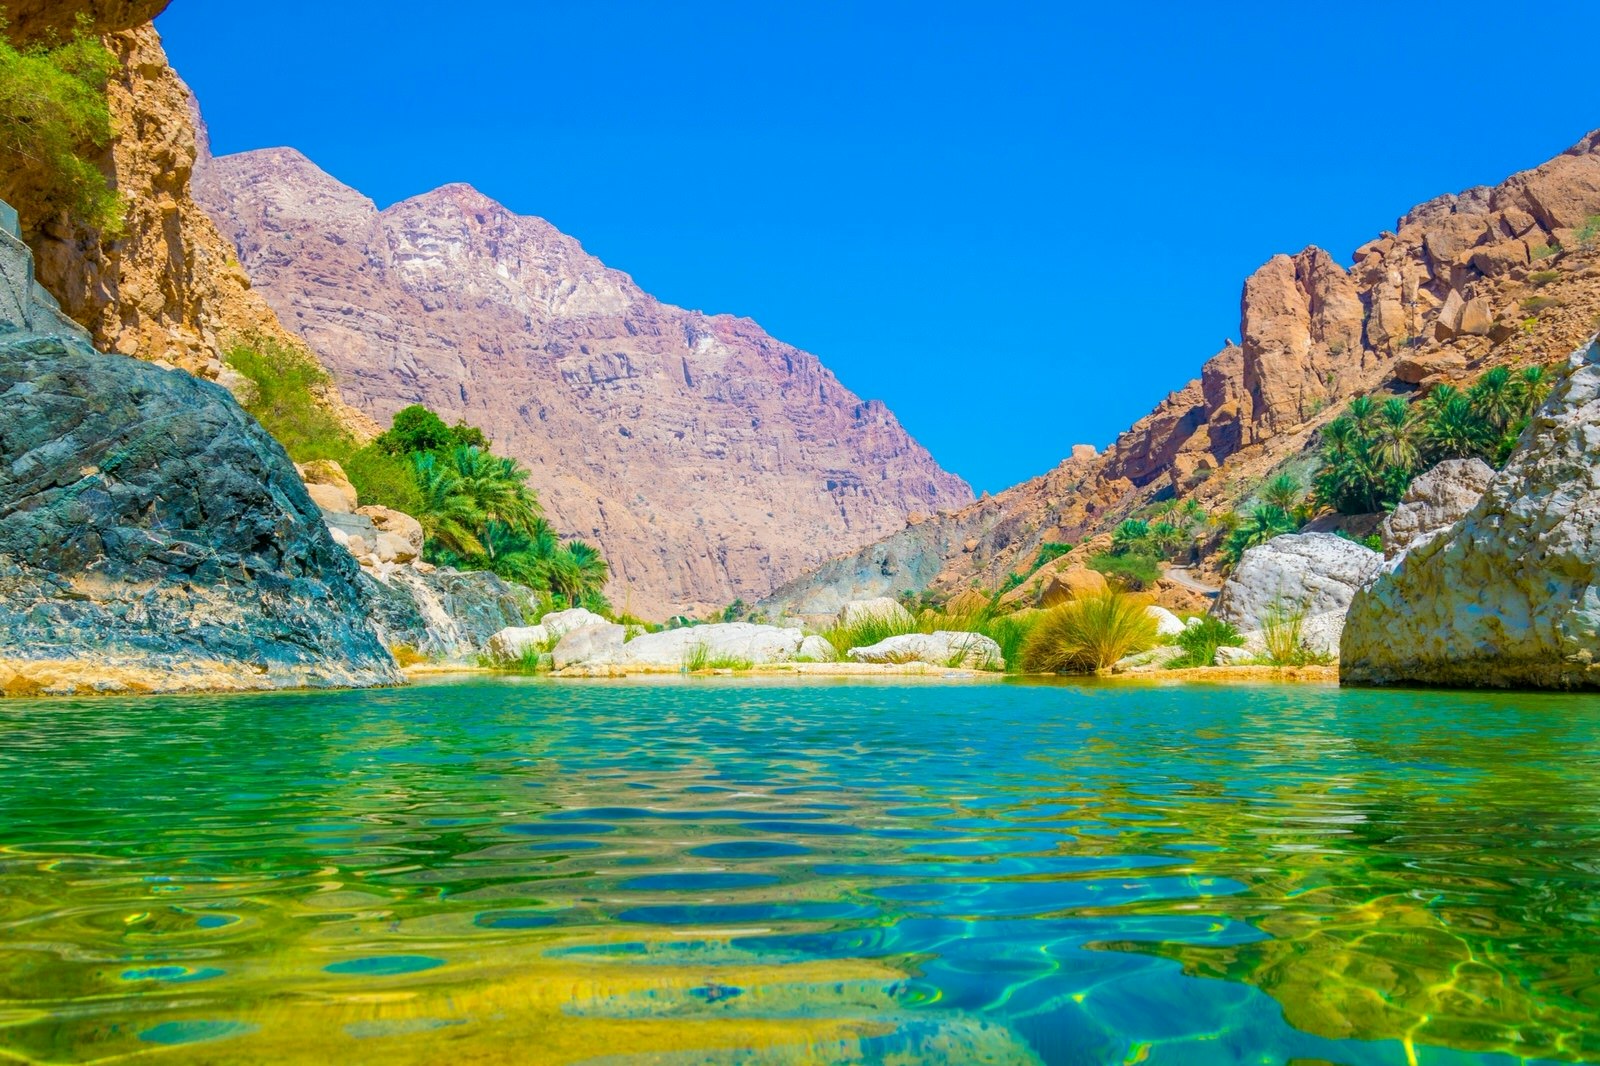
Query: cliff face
point(707, 459)
point(170, 289)
point(153, 537)
point(1485, 277)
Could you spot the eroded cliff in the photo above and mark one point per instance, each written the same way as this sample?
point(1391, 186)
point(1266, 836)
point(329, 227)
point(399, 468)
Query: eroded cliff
point(1493, 275)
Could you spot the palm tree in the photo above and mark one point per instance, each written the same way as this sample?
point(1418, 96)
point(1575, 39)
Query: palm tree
point(1394, 443)
point(1282, 492)
point(592, 568)
point(1494, 397)
point(1362, 412)
point(1532, 387)
point(1454, 429)
point(1129, 535)
point(1264, 523)
point(1168, 537)
point(496, 485)
point(448, 515)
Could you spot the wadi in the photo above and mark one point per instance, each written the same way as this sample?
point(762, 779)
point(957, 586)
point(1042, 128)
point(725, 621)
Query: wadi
point(419, 642)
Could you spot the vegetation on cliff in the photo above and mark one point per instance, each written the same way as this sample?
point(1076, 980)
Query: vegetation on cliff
point(474, 506)
point(54, 121)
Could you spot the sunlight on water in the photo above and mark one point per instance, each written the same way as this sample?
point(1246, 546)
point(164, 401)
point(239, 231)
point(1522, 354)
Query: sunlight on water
point(717, 872)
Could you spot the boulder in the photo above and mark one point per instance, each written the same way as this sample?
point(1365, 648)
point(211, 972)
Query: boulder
point(1071, 583)
point(327, 486)
point(882, 607)
point(591, 643)
point(817, 650)
point(967, 601)
point(972, 651)
point(1227, 656)
point(444, 613)
point(1415, 369)
point(395, 523)
point(1435, 501)
point(742, 642)
point(511, 642)
point(1509, 595)
point(1317, 573)
point(1156, 658)
point(152, 535)
point(1167, 623)
point(393, 548)
point(559, 623)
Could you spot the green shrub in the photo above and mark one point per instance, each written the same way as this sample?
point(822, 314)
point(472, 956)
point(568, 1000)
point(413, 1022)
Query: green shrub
point(54, 124)
point(1543, 277)
point(1201, 641)
point(1133, 570)
point(1049, 552)
point(288, 402)
point(1089, 634)
point(697, 658)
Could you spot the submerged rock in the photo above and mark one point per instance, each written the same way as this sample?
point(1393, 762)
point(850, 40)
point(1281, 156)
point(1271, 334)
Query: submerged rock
point(971, 651)
point(152, 535)
point(1509, 595)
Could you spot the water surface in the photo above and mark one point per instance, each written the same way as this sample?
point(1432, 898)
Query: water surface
point(721, 871)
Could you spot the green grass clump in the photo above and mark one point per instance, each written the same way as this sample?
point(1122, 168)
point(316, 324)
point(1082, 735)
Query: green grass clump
point(1283, 630)
point(864, 631)
point(1201, 641)
point(1089, 634)
point(697, 659)
point(54, 124)
point(1134, 571)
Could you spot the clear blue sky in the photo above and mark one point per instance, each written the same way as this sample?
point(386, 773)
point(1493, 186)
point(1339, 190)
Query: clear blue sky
point(1020, 225)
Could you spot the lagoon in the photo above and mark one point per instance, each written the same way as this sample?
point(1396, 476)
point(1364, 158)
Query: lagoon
point(721, 870)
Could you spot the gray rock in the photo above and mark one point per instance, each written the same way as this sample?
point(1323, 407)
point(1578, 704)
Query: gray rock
point(1435, 501)
point(588, 644)
point(743, 642)
point(1509, 595)
point(881, 607)
point(1148, 661)
point(1227, 656)
point(443, 613)
point(817, 649)
point(152, 534)
point(972, 651)
point(1317, 573)
point(510, 643)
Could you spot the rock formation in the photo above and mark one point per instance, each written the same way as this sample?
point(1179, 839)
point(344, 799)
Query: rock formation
point(1434, 502)
point(169, 289)
point(152, 535)
point(1509, 595)
point(1314, 575)
point(1490, 276)
point(708, 460)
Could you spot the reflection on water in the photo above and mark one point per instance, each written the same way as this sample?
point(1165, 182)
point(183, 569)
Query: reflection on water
point(719, 872)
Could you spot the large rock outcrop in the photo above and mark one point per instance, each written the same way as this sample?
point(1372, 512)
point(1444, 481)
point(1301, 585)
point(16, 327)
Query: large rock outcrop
point(1489, 276)
point(707, 459)
point(152, 535)
point(1510, 595)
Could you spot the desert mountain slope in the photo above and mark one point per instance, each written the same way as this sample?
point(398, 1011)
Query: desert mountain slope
point(707, 459)
point(1492, 275)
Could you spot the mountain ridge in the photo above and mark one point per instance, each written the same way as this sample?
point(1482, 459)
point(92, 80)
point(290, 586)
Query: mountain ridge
point(709, 460)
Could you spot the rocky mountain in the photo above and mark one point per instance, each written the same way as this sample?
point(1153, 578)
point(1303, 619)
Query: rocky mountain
point(708, 460)
point(1492, 275)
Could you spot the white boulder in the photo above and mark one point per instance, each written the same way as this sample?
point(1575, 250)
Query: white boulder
point(881, 607)
point(590, 643)
point(817, 650)
point(1435, 501)
point(972, 651)
point(1313, 574)
point(1167, 623)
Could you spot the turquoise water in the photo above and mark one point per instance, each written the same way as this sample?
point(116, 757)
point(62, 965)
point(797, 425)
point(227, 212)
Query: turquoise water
point(721, 871)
